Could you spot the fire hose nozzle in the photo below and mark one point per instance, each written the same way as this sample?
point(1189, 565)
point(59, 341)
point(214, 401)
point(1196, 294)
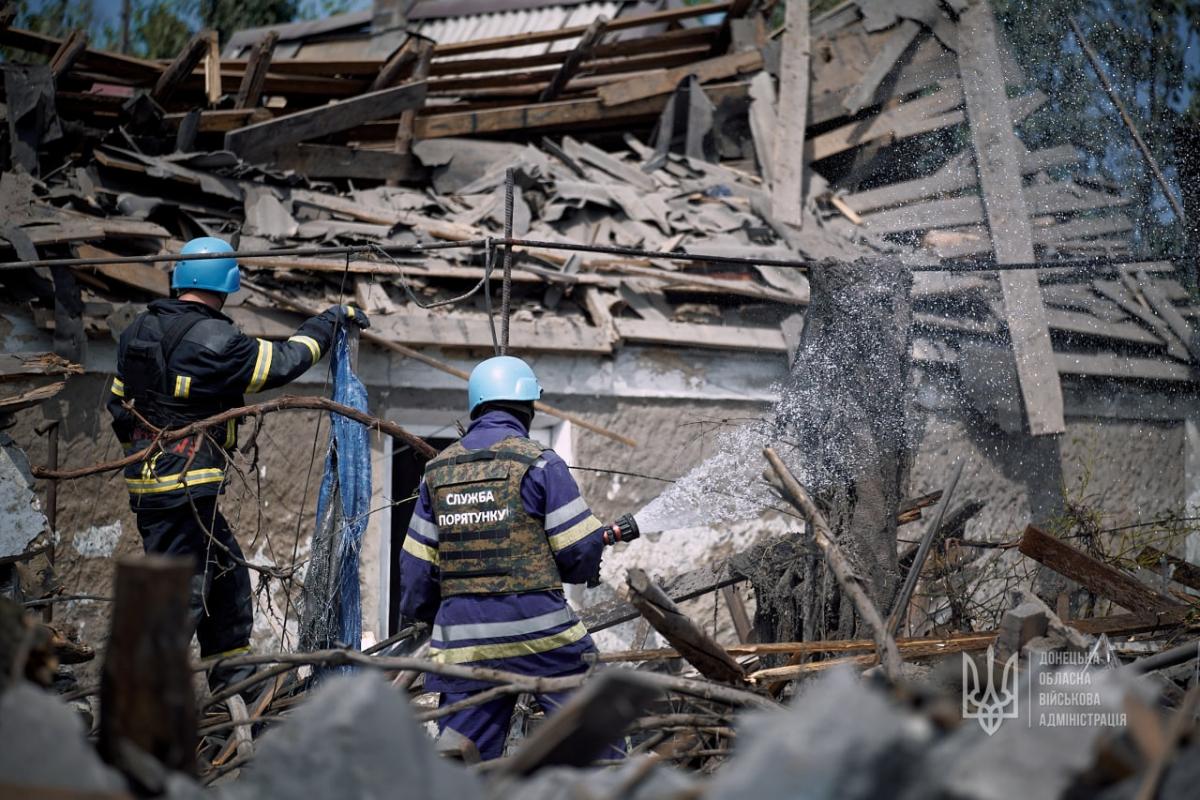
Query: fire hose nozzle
point(625, 529)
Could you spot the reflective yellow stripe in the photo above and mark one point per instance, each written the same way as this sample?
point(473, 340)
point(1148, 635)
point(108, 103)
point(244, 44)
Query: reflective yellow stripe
point(561, 541)
point(169, 483)
point(237, 651)
point(118, 387)
point(462, 655)
point(230, 434)
point(349, 312)
point(311, 344)
point(421, 551)
point(262, 366)
point(183, 386)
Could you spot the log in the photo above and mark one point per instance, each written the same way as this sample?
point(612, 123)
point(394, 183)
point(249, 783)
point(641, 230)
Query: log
point(260, 140)
point(146, 698)
point(1096, 576)
point(696, 646)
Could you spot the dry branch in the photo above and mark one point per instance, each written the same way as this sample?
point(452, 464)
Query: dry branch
point(287, 402)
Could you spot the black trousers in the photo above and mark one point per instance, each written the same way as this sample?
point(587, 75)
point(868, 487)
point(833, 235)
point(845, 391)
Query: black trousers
point(222, 613)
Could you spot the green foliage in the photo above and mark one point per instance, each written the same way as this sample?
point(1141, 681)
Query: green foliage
point(227, 16)
point(156, 31)
point(1143, 46)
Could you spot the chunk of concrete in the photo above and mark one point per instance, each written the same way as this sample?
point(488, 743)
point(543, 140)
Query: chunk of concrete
point(840, 739)
point(21, 518)
point(45, 745)
point(356, 737)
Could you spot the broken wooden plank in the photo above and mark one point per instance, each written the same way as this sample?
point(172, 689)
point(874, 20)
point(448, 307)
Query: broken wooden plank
point(763, 124)
point(10, 404)
point(458, 331)
point(898, 42)
point(956, 175)
point(1163, 307)
point(181, 68)
point(22, 365)
point(1096, 576)
point(402, 144)
point(791, 151)
point(335, 161)
point(146, 277)
point(1111, 365)
point(1129, 624)
point(1117, 293)
point(696, 646)
point(1076, 322)
point(583, 50)
point(538, 116)
point(587, 725)
point(679, 588)
point(665, 81)
point(212, 70)
point(725, 337)
point(255, 76)
point(1063, 197)
point(223, 120)
point(146, 697)
point(738, 614)
point(1181, 571)
point(973, 240)
point(998, 161)
point(395, 65)
point(68, 53)
point(260, 140)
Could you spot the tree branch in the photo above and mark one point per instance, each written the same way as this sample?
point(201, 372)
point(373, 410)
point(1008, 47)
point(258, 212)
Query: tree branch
point(287, 402)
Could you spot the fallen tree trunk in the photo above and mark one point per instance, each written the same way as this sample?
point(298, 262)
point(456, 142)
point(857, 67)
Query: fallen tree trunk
point(843, 416)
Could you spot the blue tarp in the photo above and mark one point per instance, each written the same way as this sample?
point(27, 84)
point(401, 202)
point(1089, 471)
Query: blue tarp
point(348, 477)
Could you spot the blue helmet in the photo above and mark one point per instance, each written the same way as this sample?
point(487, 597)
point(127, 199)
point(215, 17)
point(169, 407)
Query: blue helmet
point(211, 274)
point(502, 378)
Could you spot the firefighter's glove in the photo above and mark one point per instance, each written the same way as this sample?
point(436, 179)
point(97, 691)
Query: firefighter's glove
point(349, 315)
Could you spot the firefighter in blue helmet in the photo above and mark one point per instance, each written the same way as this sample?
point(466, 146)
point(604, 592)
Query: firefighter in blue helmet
point(498, 528)
point(182, 360)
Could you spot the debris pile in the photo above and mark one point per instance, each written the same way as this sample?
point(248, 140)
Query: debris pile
point(654, 184)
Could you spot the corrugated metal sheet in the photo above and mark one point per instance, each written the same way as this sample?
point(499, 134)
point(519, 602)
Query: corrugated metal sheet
point(345, 36)
point(508, 23)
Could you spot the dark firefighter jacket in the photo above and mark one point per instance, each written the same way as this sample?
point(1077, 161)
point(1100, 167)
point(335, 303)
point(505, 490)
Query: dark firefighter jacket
point(207, 365)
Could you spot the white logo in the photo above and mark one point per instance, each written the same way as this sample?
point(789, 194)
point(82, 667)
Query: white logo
point(987, 705)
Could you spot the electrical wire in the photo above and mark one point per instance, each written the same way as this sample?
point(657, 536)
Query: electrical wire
point(962, 265)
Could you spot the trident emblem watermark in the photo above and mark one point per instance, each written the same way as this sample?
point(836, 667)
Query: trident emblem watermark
point(986, 704)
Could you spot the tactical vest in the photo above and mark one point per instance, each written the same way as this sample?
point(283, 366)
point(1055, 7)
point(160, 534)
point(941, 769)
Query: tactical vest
point(147, 379)
point(487, 542)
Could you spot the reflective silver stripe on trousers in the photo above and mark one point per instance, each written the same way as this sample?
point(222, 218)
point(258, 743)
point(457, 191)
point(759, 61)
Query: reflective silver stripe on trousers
point(424, 527)
point(492, 630)
point(564, 514)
